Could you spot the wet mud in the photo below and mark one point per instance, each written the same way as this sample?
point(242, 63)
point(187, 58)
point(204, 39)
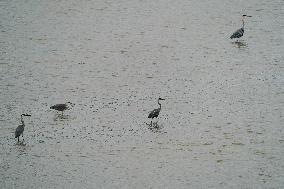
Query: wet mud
point(221, 125)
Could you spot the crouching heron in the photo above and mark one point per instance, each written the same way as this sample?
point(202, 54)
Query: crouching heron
point(62, 107)
point(20, 129)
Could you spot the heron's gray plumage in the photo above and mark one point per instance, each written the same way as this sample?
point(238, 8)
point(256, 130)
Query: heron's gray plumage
point(19, 130)
point(59, 107)
point(237, 34)
point(154, 113)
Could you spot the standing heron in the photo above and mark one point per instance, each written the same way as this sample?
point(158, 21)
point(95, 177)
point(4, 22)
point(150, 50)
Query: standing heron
point(240, 32)
point(61, 107)
point(155, 112)
point(20, 129)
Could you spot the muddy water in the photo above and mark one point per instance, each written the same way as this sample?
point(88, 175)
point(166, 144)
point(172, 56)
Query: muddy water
point(221, 125)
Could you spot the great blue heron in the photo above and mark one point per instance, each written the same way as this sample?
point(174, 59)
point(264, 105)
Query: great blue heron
point(155, 112)
point(20, 129)
point(61, 107)
point(240, 32)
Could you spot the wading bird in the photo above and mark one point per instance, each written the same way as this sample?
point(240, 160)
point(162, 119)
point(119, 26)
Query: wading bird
point(61, 107)
point(240, 32)
point(20, 129)
point(155, 112)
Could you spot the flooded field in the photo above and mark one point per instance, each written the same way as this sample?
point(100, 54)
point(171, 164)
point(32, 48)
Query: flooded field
point(221, 125)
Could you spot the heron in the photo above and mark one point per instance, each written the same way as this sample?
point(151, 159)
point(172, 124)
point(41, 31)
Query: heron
point(155, 112)
point(61, 107)
point(20, 129)
point(240, 32)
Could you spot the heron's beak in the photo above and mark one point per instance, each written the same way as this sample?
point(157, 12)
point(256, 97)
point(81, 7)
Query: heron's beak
point(249, 16)
point(162, 99)
point(27, 115)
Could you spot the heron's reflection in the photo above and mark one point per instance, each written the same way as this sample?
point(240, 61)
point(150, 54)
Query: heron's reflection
point(240, 44)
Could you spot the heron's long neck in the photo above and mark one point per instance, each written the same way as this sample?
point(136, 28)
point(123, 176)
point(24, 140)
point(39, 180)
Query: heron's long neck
point(243, 23)
point(22, 121)
point(159, 104)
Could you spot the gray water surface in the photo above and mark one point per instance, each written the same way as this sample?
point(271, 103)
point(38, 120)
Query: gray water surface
point(221, 125)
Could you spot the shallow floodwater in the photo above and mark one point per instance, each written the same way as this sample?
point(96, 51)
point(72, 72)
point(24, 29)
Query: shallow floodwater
point(221, 125)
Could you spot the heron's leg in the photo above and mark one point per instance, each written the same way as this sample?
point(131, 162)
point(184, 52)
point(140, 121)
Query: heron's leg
point(18, 139)
point(151, 122)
